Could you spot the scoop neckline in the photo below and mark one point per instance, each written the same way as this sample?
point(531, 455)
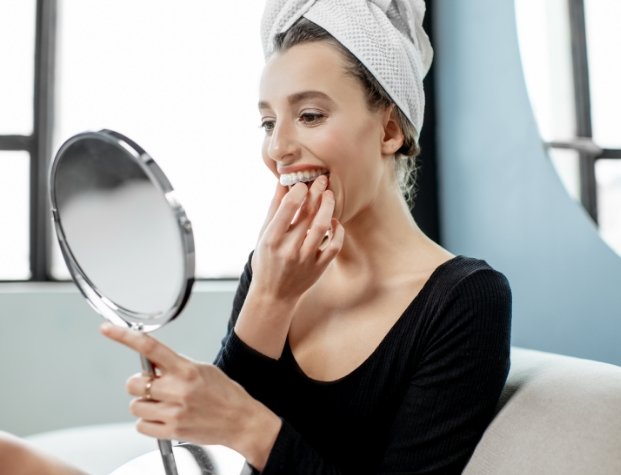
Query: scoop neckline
point(426, 288)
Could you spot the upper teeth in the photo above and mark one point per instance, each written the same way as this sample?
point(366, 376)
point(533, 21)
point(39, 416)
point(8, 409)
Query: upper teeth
point(290, 179)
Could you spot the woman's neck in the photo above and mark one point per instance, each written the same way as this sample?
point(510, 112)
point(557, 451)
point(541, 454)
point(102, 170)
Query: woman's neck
point(383, 241)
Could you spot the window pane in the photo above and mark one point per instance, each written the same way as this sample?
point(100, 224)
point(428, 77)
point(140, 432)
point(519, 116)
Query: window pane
point(545, 47)
point(567, 165)
point(58, 268)
point(604, 46)
point(608, 176)
point(183, 84)
point(17, 38)
point(14, 204)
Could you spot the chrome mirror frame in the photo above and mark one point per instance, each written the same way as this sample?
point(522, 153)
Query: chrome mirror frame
point(110, 310)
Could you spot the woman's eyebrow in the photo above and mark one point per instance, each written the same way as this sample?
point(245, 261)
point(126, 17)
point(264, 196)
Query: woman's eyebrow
point(299, 97)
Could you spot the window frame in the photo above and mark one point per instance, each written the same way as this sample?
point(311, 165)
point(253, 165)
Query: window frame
point(39, 147)
point(39, 143)
point(583, 143)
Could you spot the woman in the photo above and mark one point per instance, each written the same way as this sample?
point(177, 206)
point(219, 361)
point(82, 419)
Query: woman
point(359, 345)
point(356, 344)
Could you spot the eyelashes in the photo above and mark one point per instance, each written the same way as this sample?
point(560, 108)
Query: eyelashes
point(308, 118)
point(267, 125)
point(311, 118)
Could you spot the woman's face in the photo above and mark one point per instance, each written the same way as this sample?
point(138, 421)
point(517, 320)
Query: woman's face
point(316, 120)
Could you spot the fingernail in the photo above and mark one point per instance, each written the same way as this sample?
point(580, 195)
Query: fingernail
point(322, 182)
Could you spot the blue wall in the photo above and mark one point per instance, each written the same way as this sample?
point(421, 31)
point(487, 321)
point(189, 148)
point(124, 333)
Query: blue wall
point(501, 198)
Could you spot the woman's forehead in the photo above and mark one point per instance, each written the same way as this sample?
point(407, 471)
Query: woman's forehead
point(315, 66)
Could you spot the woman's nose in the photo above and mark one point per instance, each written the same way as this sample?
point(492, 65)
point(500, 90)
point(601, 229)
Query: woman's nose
point(282, 142)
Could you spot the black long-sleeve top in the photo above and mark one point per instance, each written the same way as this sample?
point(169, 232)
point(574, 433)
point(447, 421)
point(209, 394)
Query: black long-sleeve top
point(420, 402)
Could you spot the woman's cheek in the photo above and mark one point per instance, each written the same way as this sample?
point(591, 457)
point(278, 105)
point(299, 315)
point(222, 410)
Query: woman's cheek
point(336, 151)
point(339, 187)
point(269, 163)
point(331, 143)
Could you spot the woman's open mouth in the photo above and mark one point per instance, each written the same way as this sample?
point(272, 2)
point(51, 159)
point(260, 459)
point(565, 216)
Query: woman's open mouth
point(307, 176)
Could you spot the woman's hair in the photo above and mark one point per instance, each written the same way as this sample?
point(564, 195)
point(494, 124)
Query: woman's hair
point(305, 31)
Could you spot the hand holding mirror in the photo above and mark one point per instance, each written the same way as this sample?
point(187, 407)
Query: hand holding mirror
point(125, 238)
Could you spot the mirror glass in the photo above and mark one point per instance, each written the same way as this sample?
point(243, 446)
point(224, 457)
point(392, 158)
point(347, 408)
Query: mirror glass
point(572, 75)
point(126, 240)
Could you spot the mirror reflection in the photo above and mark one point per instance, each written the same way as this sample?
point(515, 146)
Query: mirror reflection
point(121, 231)
point(572, 75)
point(125, 238)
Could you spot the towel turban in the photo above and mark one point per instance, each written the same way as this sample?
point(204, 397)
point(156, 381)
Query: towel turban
point(386, 36)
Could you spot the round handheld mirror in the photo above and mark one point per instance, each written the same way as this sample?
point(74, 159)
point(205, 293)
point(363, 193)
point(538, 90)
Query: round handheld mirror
point(125, 238)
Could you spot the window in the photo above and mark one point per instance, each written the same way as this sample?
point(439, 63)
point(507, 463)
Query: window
point(180, 79)
point(17, 29)
point(569, 52)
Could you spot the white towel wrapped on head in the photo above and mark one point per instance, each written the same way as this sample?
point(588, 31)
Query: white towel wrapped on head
point(386, 36)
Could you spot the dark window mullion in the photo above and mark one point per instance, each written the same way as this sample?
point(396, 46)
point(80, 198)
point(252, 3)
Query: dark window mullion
point(610, 153)
point(582, 97)
point(40, 150)
point(13, 143)
point(585, 146)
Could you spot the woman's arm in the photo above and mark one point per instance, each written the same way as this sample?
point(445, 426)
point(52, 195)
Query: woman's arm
point(17, 457)
point(453, 396)
point(195, 402)
point(198, 402)
point(288, 260)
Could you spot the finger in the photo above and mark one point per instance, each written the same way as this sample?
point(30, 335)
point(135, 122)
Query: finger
point(321, 224)
point(153, 411)
point(161, 389)
point(281, 191)
point(152, 349)
point(158, 430)
point(334, 244)
point(312, 201)
point(143, 386)
point(285, 213)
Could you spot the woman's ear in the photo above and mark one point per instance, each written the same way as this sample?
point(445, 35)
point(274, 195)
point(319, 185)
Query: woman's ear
point(392, 136)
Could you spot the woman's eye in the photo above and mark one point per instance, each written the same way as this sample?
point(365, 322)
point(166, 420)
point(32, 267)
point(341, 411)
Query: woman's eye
point(267, 125)
point(311, 118)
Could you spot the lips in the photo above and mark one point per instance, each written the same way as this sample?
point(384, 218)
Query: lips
point(305, 176)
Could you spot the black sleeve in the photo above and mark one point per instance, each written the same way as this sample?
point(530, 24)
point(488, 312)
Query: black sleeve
point(449, 401)
point(452, 399)
point(256, 372)
point(238, 302)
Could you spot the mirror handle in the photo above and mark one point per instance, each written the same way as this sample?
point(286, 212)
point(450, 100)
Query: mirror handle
point(165, 446)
